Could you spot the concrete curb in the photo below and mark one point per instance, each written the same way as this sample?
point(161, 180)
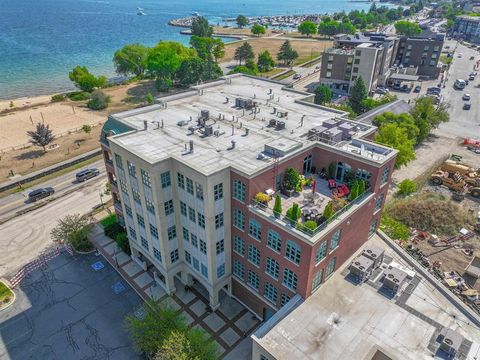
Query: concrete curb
point(432, 280)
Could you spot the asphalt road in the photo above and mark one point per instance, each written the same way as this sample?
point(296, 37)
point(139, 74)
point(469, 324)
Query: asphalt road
point(26, 236)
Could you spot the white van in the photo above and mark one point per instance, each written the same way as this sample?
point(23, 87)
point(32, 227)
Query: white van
point(459, 84)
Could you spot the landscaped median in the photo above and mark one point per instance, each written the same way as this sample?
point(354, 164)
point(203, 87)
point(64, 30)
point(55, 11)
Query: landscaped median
point(6, 296)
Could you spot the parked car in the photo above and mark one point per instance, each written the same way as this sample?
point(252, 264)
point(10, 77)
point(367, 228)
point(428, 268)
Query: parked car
point(40, 193)
point(434, 90)
point(467, 106)
point(459, 55)
point(297, 76)
point(86, 174)
point(406, 88)
point(471, 78)
point(472, 57)
point(382, 90)
point(417, 88)
point(466, 97)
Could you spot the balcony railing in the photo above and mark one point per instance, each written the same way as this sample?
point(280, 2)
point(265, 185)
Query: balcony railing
point(299, 225)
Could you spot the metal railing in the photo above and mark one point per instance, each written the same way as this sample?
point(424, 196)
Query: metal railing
point(300, 226)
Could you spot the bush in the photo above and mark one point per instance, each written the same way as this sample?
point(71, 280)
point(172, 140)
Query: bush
point(407, 187)
point(310, 224)
point(98, 101)
point(112, 230)
point(294, 213)
point(328, 212)
point(291, 179)
point(394, 229)
point(79, 239)
point(277, 208)
point(150, 99)
point(122, 241)
point(78, 96)
point(262, 198)
point(58, 97)
point(110, 219)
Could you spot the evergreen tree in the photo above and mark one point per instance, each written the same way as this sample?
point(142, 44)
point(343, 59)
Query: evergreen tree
point(286, 53)
point(200, 27)
point(244, 52)
point(328, 211)
point(358, 93)
point(277, 207)
point(265, 61)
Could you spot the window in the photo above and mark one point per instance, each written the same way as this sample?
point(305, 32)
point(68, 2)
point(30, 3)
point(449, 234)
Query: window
point(168, 205)
point(218, 192)
point(165, 179)
point(385, 174)
point(253, 255)
point(218, 221)
point(373, 227)
point(133, 233)
point(378, 203)
point(238, 269)
point(220, 271)
point(172, 232)
point(330, 66)
point(328, 74)
point(239, 190)
point(189, 186)
point(146, 178)
point(201, 220)
point(186, 236)
point(204, 271)
point(144, 242)
point(191, 214)
point(131, 169)
point(141, 221)
point(150, 206)
point(409, 47)
point(317, 280)
point(157, 254)
point(358, 53)
point(335, 239)
point(255, 229)
point(330, 57)
point(128, 210)
point(118, 161)
point(238, 245)
point(196, 264)
point(199, 191)
point(188, 257)
point(253, 280)
point(220, 247)
point(154, 231)
point(273, 241)
point(136, 196)
point(203, 246)
point(272, 267)
point(293, 252)
point(123, 186)
point(290, 279)
point(349, 60)
point(436, 48)
point(284, 299)
point(183, 208)
point(330, 267)
point(425, 48)
point(181, 181)
point(432, 62)
point(321, 252)
point(362, 174)
point(193, 239)
point(356, 62)
point(270, 293)
point(434, 56)
point(355, 69)
point(238, 219)
point(174, 256)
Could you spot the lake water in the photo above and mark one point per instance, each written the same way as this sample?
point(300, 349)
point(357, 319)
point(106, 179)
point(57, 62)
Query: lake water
point(42, 40)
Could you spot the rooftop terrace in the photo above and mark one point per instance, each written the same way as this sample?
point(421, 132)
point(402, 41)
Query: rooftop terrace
point(238, 121)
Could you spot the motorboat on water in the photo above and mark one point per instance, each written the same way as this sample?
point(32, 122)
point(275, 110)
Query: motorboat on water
point(141, 13)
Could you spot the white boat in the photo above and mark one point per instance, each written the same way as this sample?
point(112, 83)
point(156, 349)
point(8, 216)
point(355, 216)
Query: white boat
point(141, 13)
point(139, 9)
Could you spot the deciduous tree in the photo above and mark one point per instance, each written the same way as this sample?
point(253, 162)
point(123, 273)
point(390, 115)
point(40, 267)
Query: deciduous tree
point(131, 60)
point(41, 136)
point(258, 30)
point(207, 48)
point(307, 28)
point(201, 27)
point(397, 137)
point(242, 21)
point(407, 28)
point(323, 95)
point(265, 61)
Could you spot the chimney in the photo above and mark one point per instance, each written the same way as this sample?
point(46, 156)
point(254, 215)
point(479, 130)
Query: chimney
point(191, 146)
point(145, 124)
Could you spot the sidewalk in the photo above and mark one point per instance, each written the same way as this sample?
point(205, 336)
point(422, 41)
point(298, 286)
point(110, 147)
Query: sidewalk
point(229, 325)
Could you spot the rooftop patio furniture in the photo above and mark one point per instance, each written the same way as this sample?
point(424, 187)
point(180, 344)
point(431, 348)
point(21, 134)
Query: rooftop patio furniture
point(331, 184)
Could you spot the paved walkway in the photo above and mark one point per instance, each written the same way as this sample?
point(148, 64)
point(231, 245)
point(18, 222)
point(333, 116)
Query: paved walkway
point(228, 325)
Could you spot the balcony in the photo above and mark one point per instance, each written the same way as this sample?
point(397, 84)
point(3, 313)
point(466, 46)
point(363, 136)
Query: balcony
point(312, 202)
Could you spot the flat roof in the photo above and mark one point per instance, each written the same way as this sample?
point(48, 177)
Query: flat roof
point(405, 77)
point(344, 320)
point(239, 136)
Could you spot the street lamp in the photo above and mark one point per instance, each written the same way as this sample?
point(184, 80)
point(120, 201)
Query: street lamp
point(100, 192)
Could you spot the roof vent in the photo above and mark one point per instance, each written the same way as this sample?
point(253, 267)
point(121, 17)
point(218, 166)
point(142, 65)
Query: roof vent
point(232, 146)
point(208, 130)
point(191, 146)
point(280, 125)
point(145, 124)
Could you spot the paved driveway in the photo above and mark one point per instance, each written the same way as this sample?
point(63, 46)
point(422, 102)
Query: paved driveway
point(69, 311)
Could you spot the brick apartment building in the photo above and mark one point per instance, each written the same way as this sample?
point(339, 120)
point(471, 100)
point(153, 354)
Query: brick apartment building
point(185, 173)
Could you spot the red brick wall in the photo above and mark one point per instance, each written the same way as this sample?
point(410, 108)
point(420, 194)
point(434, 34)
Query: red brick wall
point(248, 298)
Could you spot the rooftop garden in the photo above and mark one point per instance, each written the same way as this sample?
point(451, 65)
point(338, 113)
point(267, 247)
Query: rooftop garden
point(310, 203)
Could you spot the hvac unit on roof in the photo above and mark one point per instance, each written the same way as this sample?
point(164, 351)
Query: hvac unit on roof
point(205, 114)
point(280, 125)
point(272, 123)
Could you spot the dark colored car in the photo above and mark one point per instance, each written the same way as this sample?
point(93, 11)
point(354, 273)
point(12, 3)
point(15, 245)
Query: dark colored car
point(434, 90)
point(40, 193)
point(467, 106)
point(86, 174)
point(417, 88)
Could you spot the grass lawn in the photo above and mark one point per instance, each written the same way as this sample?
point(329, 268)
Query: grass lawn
point(109, 220)
point(284, 76)
point(303, 59)
point(271, 73)
point(6, 294)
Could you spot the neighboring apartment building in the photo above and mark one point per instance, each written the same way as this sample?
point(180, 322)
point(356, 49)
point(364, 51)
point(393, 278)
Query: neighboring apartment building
point(184, 174)
point(467, 28)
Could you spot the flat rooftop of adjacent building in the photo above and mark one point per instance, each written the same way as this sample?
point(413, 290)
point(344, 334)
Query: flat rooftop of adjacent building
point(344, 320)
point(241, 138)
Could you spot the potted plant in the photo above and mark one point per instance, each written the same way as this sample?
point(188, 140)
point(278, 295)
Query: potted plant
point(262, 198)
point(277, 208)
point(290, 181)
point(294, 213)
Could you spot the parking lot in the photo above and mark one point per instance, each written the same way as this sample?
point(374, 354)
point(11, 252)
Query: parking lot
point(69, 311)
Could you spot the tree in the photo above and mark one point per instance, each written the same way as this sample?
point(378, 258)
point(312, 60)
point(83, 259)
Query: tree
point(290, 179)
point(397, 137)
point(200, 27)
point(265, 61)
point(175, 347)
point(361, 187)
point(427, 116)
point(242, 21)
point(87, 129)
point(258, 30)
point(358, 93)
point(346, 27)
point(41, 136)
point(150, 99)
point(323, 95)
point(294, 213)
point(207, 48)
point(407, 187)
point(86, 81)
point(328, 27)
point(98, 101)
point(307, 28)
point(190, 71)
point(354, 191)
point(277, 207)
point(244, 52)
point(407, 28)
point(328, 212)
point(131, 60)
point(405, 121)
point(73, 229)
point(286, 53)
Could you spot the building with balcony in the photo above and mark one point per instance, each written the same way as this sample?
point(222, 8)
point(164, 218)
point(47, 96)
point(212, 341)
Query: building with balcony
point(186, 174)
